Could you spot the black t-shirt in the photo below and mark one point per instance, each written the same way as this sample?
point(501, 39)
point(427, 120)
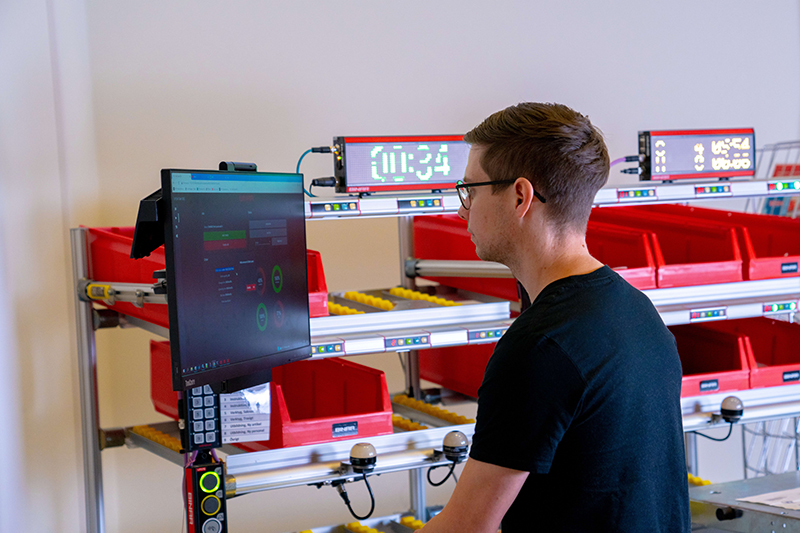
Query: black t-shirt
point(583, 392)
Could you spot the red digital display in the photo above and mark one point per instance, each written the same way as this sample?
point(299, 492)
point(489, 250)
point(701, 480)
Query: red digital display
point(693, 154)
point(399, 163)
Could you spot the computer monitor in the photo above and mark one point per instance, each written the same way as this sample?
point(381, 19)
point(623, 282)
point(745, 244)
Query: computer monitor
point(237, 282)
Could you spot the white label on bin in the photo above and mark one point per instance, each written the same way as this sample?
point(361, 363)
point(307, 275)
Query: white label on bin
point(245, 415)
point(791, 376)
point(346, 429)
point(709, 385)
point(788, 268)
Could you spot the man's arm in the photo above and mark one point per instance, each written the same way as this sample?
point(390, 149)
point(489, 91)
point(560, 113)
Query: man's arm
point(482, 496)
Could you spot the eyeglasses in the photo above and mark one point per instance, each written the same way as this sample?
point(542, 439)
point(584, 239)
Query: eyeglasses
point(463, 190)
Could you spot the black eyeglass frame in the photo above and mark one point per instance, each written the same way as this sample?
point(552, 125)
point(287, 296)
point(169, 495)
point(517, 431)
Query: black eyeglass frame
point(464, 197)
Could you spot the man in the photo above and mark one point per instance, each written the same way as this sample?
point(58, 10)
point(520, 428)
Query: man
point(579, 420)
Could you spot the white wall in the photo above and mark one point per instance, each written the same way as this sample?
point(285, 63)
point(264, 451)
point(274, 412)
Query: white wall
point(96, 96)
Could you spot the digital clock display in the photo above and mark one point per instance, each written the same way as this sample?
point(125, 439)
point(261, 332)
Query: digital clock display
point(688, 154)
point(370, 164)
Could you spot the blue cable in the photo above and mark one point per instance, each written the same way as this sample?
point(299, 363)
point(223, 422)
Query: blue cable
point(298, 170)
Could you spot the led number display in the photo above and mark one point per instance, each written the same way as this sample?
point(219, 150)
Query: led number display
point(370, 164)
point(687, 154)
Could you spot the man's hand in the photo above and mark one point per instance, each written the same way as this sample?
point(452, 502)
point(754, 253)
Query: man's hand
point(482, 496)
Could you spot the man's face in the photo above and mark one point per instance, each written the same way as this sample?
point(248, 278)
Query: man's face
point(485, 217)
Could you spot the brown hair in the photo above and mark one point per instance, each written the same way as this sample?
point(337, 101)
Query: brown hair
point(553, 146)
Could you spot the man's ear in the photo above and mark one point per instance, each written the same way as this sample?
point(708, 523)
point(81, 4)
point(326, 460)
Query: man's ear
point(523, 196)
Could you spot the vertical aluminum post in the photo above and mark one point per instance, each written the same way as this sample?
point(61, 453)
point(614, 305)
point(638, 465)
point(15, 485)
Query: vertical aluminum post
point(87, 370)
point(690, 440)
point(416, 477)
point(405, 231)
point(745, 455)
point(796, 425)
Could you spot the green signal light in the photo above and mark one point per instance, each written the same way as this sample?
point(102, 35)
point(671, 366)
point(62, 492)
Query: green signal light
point(779, 186)
point(774, 307)
point(797, 184)
point(793, 306)
point(215, 481)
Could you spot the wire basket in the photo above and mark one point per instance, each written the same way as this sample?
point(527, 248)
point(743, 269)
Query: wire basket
point(770, 447)
point(779, 161)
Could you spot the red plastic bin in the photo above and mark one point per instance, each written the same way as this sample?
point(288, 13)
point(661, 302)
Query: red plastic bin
point(713, 361)
point(309, 400)
point(164, 399)
point(687, 252)
point(446, 237)
point(110, 261)
point(770, 245)
point(775, 349)
point(626, 251)
point(458, 368)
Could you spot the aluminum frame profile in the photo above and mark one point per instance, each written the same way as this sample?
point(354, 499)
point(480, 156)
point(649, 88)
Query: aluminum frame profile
point(664, 193)
point(321, 463)
point(87, 372)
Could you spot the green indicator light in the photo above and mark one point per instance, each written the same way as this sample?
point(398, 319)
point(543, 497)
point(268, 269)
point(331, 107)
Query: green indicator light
point(209, 482)
point(793, 307)
point(779, 186)
point(797, 184)
point(774, 307)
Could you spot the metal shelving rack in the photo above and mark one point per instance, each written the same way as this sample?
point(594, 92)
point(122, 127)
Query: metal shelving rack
point(358, 334)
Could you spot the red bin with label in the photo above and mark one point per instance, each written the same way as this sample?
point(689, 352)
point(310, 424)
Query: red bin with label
point(713, 361)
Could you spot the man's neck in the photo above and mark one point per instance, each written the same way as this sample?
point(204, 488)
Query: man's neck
point(557, 258)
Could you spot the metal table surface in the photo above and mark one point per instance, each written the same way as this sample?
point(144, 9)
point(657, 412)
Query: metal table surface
point(754, 517)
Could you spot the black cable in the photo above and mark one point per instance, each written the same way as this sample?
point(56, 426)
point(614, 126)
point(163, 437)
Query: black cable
point(346, 498)
point(450, 473)
point(315, 150)
point(323, 182)
point(730, 430)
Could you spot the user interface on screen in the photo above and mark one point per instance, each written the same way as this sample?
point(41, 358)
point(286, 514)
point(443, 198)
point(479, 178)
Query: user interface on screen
point(236, 273)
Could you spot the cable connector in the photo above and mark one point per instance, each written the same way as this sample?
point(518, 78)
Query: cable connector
point(324, 182)
point(631, 158)
point(634, 170)
point(342, 493)
point(322, 149)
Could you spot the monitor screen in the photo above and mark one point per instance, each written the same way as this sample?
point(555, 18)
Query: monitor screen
point(375, 164)
point(236, 276)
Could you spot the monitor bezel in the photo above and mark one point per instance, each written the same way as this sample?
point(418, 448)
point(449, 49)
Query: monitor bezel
point(236, 376)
